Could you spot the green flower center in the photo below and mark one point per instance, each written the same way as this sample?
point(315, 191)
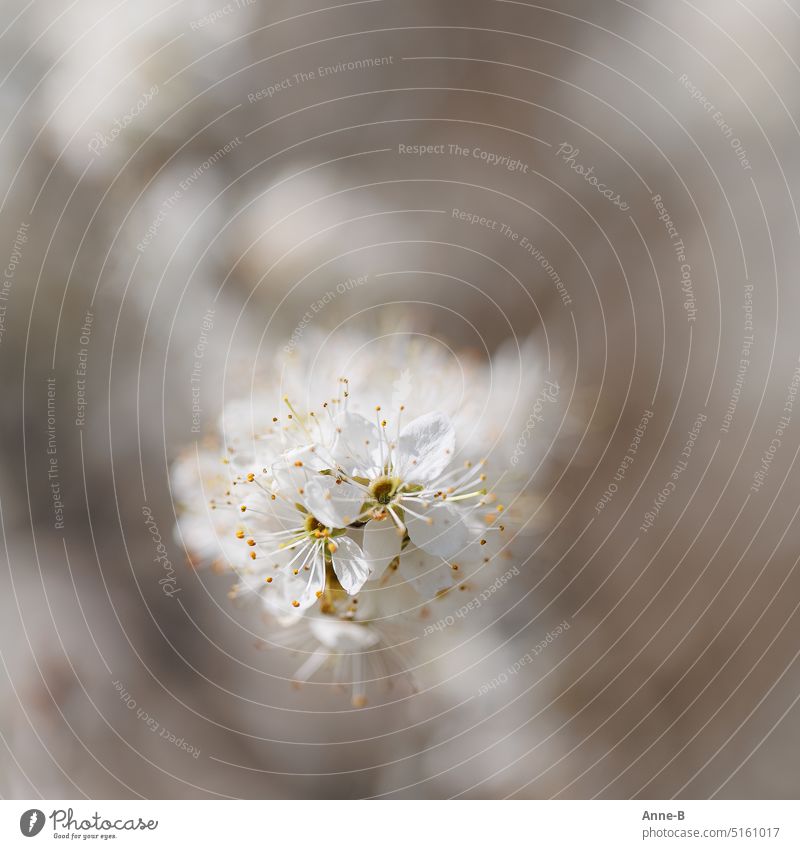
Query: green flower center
point(311, 524)
point(384, 488)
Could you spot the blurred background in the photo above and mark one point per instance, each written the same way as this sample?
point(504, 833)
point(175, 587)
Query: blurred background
point(615, 181)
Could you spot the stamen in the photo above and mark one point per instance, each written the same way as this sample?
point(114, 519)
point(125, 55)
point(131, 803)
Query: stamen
point(311, 665)
point(396, 518)
point(426, 519)
point(380, 436)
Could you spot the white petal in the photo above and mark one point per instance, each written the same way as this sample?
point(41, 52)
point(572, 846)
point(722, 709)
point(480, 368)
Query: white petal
point(333, 504)
point(426, 447)
point(286, 516)
point(343, 636)
point(305, 586)
point(314, 457)
point(349, 564)
point(442, 532)
point(277, 597)
point(428, 575)
point(289, 478)
point(358, 442)
point(381, 545)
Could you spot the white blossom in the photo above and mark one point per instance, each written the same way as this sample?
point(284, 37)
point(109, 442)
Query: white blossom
point(355, 521)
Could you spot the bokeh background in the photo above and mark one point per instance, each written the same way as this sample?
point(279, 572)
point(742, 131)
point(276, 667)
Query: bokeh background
point(161, 163)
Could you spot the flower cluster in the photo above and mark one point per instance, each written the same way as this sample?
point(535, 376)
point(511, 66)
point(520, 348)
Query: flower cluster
point(347, 517)
point(348, 499)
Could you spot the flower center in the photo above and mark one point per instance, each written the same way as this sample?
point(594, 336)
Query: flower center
point(383, 489)
point(310, 524)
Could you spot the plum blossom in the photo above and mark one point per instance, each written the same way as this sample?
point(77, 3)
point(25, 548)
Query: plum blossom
point(354, 521)
point(340, 511)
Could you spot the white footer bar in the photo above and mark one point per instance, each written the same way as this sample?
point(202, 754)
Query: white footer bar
point(406, 824)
